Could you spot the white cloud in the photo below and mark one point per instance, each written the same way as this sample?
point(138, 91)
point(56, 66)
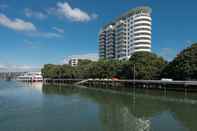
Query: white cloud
point(16, 24)
point(29, 28)
point(38, 15)
point(89, 56)
point(73, 14)
point(59, 30)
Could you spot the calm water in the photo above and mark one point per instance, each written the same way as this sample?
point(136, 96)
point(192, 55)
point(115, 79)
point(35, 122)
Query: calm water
point(35, 108)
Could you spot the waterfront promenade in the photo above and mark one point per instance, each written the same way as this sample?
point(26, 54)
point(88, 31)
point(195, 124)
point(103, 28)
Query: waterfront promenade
point(119, 84)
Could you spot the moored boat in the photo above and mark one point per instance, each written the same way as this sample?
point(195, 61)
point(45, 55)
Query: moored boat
point(31, 77)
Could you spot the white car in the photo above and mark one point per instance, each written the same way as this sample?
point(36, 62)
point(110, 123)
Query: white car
point(166, 79)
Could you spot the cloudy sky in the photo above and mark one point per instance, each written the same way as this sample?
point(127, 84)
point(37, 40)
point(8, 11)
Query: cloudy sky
point(36, 32)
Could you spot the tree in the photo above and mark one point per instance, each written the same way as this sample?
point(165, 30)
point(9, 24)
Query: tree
point(84, 62)
point(51, 71)
point(184, 66)
point(147, 66)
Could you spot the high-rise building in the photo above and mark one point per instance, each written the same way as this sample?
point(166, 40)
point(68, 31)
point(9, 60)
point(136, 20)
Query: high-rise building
point(126, 35)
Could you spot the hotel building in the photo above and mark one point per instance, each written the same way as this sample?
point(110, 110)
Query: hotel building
point(126, 35)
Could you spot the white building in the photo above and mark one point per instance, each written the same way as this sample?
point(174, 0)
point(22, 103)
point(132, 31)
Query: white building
point(128, 34)
point(73, 61)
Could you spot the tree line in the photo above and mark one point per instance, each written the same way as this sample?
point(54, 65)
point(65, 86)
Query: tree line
point(141, 65)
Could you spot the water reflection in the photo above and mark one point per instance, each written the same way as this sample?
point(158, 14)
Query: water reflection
point(36, 85)
point(138, 111)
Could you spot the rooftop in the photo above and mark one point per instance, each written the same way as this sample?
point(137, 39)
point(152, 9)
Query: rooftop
point(142, 9)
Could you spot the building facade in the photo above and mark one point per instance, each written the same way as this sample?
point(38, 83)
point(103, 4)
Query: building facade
point(73, 61)
point(128, 34)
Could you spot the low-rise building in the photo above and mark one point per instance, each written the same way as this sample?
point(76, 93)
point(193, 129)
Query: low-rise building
point(73, 61)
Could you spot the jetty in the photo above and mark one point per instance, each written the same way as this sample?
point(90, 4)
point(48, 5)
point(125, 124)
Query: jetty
point(121, 84)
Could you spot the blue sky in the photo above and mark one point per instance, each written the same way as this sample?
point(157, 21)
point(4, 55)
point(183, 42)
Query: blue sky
point(36, 32)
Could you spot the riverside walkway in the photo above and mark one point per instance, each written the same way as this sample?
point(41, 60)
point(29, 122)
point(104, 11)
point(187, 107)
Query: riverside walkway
point(149, 84)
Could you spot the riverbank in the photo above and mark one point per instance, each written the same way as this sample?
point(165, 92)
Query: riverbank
point(186, 86)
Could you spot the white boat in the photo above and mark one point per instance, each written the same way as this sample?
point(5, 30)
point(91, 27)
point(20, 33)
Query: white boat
point(31, 77)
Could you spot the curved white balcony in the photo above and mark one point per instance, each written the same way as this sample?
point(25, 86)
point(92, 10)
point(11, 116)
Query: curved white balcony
point(142, 17)
point(140, 45)
point(142, 22)
point(141, 41)
point(142, 36)
point(142, 31)
point(139, 50)
point(142, 26)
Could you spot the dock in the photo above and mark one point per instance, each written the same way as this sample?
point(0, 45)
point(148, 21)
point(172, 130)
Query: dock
point(121, 84)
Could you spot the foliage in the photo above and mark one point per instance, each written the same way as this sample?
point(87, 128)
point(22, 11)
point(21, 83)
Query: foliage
point(145, 65)
point(184, 66)
point(148, 66)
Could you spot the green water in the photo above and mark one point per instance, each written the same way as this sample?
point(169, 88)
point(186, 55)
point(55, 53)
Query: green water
point(26, 107)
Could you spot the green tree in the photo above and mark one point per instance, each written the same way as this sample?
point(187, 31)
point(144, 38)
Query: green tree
point(51, 71)
point(184, 66)
point(147, 66)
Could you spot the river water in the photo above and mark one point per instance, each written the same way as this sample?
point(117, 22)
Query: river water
point(33, 107)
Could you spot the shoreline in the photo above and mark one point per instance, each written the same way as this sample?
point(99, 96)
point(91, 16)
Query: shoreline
point(183, 86)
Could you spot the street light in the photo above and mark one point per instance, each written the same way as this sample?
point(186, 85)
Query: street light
point(134, 75)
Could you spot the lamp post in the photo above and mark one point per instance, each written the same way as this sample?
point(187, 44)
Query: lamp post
point(133, 75)
point(134, 98)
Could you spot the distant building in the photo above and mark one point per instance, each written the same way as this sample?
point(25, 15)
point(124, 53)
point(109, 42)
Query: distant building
point(128, 34)
point(73, 61)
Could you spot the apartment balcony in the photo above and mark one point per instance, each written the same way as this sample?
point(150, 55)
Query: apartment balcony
point(142, 22)
point(101, 47)
point(142, 18)
point(121, 51)
point(142, 31)
point(148, 27)
point(121, 45)
point(101, 38)
point(101, 53)
point(110, 42)
point(101, 35)
point(121, 36)
point(142, 37)
point(101, 50)
point(121, 48)
point(141, 41)
point(120, 31)
point(140, 50)
point(140, 45)
point(110, 54)
point(142, 14)
point(121, 40)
